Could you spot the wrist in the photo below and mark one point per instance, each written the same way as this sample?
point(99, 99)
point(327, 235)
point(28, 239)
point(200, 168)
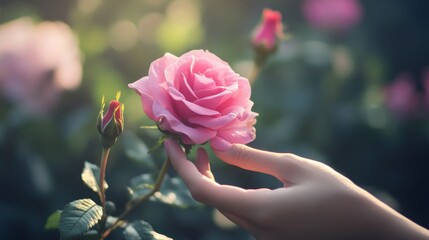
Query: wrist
point(383, 222)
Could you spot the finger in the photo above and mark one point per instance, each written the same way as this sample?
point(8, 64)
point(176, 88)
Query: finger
point(286, 167)
point(203, 164)
point(232, 199)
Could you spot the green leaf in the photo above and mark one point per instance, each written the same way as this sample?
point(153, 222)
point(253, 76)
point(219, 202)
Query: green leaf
point(78, 217)
point(141, 230)
point(91, 177)
point(141, 185)
point(137, 150)
point(53, 221)
point(91, 235)
point(158, 143)
point(172, 192)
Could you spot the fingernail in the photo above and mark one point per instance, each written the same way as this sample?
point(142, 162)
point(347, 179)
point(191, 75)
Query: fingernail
point(201, 152)
point(167, 144)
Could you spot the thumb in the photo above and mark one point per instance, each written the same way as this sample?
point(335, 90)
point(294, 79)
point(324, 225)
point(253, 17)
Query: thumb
point(284, 166)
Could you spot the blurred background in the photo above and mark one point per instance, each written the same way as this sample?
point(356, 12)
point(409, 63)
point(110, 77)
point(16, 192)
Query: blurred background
point(348, 87)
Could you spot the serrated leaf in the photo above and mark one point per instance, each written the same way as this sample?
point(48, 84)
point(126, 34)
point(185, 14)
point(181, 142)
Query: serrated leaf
point(53, 221)
point(141, 230)
point(137, 150)
point(91, 177)
point(78, 217)
point(172, 192)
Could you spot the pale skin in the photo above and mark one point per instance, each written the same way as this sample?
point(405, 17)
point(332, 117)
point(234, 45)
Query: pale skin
point(316, 202)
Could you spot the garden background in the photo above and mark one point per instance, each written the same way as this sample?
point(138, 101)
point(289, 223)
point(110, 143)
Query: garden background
point(353, 93)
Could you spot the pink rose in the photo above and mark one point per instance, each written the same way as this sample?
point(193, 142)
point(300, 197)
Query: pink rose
point(269, 31)
point(336, 15)
point(198, 97)
point(426, 87)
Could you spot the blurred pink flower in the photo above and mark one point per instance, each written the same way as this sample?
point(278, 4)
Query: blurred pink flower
point(37, 62)
point(269, 30)
point(426, 87)
point(401, 96)
point(336, 15)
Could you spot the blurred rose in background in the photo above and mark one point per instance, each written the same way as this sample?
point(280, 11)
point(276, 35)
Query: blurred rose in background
point(333, 15)
point(269, 30)
point(37, 62)
point(426, 87)
point(401, 96)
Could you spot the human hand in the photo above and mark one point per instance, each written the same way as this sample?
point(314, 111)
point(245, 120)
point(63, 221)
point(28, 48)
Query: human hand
point(316, 202)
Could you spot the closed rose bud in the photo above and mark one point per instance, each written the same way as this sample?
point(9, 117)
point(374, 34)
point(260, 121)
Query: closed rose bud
point(268, 32)
point(111, 124)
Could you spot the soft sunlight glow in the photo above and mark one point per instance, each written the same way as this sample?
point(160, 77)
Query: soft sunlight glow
point(342, 62)
point(316, 53)
point(375, 114)
point(123, 35)
point(181, 28)
point(169, 198)
point(147, 27)
point(88, 6)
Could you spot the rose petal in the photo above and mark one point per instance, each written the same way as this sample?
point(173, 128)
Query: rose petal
point(239, 131)
point(178, 96)
point(213, 123)
point(215, 100)
point(186, 89)
point(147, 89)
point(196, 135)
point(202, 83)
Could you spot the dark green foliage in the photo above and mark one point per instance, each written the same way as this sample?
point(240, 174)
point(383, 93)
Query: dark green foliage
point(91, 177)
point(78, 217)
point(172, 192)
point(53, 221)
point(141, 230)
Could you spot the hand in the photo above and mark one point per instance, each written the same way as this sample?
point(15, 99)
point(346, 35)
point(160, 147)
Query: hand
point(316, 202)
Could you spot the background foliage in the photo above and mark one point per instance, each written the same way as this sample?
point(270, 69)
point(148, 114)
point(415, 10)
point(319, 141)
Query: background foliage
point(321, 96)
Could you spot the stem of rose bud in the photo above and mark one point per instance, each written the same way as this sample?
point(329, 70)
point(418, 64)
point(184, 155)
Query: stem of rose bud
point(102, 193)
point(254, 74)
point(134, 204)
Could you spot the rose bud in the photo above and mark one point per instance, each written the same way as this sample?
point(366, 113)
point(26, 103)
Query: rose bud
point(267, 34)
point(111, 124)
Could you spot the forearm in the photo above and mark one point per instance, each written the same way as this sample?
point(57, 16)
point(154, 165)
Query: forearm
point(386, 223)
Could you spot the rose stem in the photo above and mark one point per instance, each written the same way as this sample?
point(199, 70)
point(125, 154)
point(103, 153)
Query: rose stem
point(254, 74)
point(134, 204)
point(102, 193)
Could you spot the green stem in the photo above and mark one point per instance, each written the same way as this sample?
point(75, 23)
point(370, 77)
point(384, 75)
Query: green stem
point(103, 165)
point(134, 204)
point(254, 74)
point(102, 193)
